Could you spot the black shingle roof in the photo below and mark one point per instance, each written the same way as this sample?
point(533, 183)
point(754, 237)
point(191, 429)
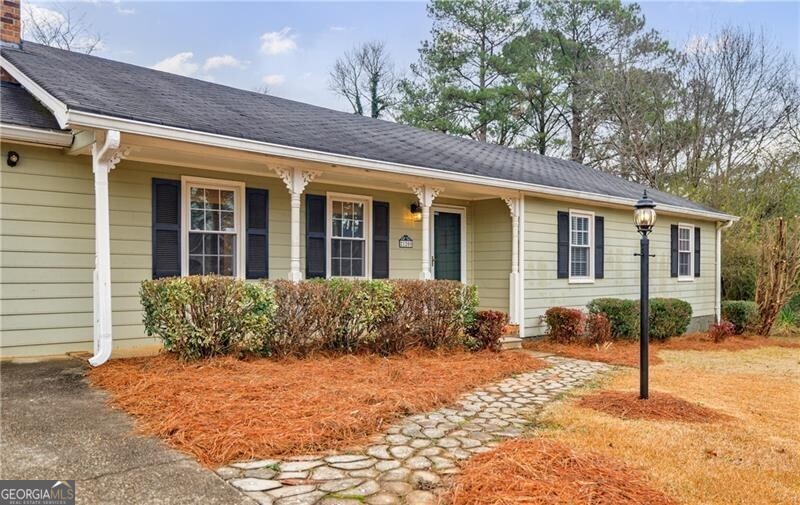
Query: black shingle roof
point(18, 107)
point(92, 84)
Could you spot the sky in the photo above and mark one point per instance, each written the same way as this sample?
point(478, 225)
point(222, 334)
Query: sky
point(291, 46)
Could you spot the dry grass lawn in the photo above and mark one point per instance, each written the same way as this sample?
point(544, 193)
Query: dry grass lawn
point(752, 458)
point(627, 353)
point(221, 410)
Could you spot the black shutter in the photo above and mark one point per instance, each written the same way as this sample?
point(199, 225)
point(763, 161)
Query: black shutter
point(380, 240)
point(166, 228)
point(316, 260)
point(673, 247)
point(563, 245)
point(697, 251)
point(599, 246)
point(257, 247)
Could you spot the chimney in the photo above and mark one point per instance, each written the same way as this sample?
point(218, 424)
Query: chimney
point(11, 31)
point(11, 34)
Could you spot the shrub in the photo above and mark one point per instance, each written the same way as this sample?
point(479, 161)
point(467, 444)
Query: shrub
point(721, 330)
point(566, 325)
point(742, 313)
point(486, 331)
point(598, 329)
point(198, 317)
point(435, 314)
point(669, 317)
point(622, 314)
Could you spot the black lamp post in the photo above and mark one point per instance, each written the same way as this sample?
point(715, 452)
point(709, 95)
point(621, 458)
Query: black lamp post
point(644, 217)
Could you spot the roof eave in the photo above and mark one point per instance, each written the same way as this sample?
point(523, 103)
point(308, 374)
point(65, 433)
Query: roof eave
point(32, 135)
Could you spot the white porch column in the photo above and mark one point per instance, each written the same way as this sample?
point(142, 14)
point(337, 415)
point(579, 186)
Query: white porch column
point(426, 195)
point(514, 277)
point(104, 159)
point(296, 181)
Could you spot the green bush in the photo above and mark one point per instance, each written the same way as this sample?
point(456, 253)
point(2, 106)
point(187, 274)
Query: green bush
point(486, 331)
point(565, 325)
point(198, 317)
point(622, 314)
point(742, 313)
point(669, 317)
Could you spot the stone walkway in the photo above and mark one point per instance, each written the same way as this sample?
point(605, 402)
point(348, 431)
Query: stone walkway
point(409, 462)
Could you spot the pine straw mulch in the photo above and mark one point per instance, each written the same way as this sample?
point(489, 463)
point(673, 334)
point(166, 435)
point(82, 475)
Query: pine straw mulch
point(627, 353)
point(613, 353)
point(539, 471)
point(223, 409)
point(658, 407)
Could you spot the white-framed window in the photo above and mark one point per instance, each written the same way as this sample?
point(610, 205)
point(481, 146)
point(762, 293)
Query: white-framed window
point(581, 244)
point(685, 252)
point(349, 232)
point(212, 241)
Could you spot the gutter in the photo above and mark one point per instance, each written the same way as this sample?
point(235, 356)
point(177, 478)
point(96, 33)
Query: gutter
point(718, 298)
point(38, 136)
point(76, 120)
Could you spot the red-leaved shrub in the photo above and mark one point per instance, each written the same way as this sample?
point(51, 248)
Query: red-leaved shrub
point(566, 325)
point(487, 330)
point(721, 330)
point(598, 329)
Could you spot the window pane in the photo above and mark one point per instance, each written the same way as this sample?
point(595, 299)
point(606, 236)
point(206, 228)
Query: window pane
point(683, 263)
point(195, 243)
point(195, 265)
point(580, 262)
point(357, 249)
point(358, 211)
point(210, 244)
point(210, 265)
point(345, 268)
point(358, 229)
point(336, 267)
point(580, 230)
point(197, 197)
point(227, 221)
point(337, 210)
point(212, 199)
point(226, 265)
point(212, 220)
point(226, 200)
point(357, 268)
point(198, 220)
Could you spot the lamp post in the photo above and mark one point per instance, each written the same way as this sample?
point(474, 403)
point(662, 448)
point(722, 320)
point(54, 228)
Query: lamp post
point(644, 217)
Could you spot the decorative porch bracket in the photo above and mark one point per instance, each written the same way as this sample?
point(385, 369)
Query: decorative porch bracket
point(514, 305)
point(426, 195)
point(296, 181)
point(104, 158)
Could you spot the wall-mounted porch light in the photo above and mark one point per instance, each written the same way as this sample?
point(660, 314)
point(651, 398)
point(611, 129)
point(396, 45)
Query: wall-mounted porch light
point(416, 211)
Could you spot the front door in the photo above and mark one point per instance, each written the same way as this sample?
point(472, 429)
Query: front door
point(447, 245)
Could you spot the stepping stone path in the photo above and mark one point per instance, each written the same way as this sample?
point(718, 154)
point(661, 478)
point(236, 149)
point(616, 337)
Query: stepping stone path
point(412, 459)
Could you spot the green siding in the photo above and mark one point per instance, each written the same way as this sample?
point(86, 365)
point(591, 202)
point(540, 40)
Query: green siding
point(492, 244)
point(543, 290)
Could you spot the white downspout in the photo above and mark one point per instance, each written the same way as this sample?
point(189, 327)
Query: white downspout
point(718, 298)
point(104, 159)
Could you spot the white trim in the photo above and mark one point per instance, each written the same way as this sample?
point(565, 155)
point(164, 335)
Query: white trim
point(39, 136)
point(238, 188)
point(92, 120)
point(588, 279)
point(58, 108)
point(346, 197)
point(690, 277)
point(521, 287)
point(718, 280)
point(451, 209)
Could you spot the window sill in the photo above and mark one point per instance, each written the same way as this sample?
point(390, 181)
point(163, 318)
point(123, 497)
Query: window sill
point(581, 281)
point(685, 279)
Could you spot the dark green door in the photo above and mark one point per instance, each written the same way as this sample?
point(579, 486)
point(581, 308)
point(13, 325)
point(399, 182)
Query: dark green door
point(447, 245)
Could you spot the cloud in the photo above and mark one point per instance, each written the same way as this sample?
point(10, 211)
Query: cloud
point(125, 11)
point(700, 44)
point(278, 42)
point(225, 60)
point(36, 18)
point(180, 64)
point(337, 28)
point(40, 16)
point(273, 79)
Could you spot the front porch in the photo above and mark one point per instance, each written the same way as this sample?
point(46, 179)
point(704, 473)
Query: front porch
point(319, 220)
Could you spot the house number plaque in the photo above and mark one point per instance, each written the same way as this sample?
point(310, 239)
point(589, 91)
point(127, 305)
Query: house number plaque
point(406, 242)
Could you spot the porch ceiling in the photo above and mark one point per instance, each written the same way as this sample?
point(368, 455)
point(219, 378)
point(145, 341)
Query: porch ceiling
point(167, 152)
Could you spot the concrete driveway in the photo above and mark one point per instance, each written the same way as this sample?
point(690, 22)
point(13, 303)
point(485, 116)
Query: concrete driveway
point(54, 426)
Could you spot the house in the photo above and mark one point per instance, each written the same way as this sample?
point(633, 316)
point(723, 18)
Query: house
point(113, 173)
